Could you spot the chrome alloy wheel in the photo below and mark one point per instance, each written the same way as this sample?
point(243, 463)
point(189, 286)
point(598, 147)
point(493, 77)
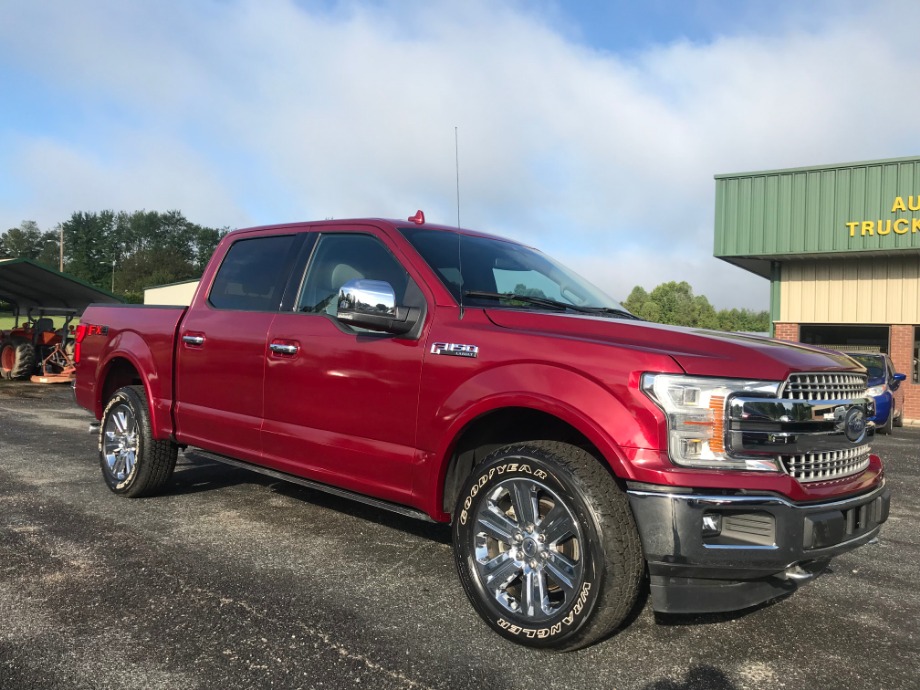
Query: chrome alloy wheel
point(528, 549)
point(119, 442)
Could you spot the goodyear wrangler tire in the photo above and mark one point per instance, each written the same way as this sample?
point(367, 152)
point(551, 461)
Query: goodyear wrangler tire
point(133, 462)
point(546, 546)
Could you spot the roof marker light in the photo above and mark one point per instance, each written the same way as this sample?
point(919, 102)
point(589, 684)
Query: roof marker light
point(418, 218)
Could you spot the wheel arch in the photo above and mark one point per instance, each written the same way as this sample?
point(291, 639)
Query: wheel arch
point(127, 362)
point(526, 401)
point(504, 426)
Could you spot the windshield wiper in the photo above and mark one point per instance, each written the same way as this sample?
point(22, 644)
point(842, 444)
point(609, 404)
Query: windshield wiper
point(549, 303)
point(526, 299)
point(618, 313)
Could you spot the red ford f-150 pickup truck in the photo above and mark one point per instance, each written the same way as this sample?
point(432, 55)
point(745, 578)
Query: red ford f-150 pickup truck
point(579, 453)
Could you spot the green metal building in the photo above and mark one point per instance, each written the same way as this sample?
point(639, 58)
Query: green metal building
point(840, 245)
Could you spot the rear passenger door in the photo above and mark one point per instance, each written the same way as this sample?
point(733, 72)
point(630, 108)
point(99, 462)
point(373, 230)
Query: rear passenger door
point(221, 353)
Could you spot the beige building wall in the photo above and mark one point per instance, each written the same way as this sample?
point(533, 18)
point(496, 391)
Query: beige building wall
point(867, 290)
point(177, 294)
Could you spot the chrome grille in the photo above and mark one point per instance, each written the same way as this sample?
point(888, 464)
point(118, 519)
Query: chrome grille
point(824, 387)
point(819, 467)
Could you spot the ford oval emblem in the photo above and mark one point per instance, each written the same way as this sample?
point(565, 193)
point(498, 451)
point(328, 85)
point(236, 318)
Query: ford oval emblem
point(855, 425)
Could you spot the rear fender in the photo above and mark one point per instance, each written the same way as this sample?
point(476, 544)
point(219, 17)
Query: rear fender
point(130, 347)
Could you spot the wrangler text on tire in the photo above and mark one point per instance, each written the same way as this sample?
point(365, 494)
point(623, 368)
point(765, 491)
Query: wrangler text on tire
point(546, 546)
point(133, 462)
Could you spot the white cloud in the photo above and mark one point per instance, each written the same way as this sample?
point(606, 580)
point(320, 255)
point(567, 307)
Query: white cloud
point(250, 112)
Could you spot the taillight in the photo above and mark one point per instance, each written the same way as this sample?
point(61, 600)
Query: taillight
point(79, 334)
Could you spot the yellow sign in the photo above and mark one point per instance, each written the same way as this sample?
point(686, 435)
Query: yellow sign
point(899, 226)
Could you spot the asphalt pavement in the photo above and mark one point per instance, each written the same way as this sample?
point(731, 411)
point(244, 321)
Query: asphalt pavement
point(234, 580)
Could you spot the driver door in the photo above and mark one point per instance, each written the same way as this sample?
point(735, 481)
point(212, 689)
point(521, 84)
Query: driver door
point(341, 403)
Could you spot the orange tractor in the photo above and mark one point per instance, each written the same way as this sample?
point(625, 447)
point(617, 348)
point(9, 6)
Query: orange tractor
point(36, 350)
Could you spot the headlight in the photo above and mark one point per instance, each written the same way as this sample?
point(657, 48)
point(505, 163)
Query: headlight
point(876, 391)
point(695, 410)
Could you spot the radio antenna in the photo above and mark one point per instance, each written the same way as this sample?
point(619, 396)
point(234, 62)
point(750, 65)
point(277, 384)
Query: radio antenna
point(457, 163)
point(459, 253)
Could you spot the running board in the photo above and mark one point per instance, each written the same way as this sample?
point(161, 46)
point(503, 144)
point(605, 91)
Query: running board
point(310, 484)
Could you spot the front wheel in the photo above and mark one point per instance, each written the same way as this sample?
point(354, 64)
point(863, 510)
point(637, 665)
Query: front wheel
point(546, 546)
point(886, 427)
point(133, 462)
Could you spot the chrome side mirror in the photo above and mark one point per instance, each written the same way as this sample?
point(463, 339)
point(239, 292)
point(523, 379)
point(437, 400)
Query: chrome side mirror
point(372, 304)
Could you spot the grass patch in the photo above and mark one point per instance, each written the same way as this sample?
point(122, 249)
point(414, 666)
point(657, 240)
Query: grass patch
point(8, 321)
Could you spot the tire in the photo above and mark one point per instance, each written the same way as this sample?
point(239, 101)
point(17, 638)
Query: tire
point(133, 463)
point(886, 427)
point(899, 420)
point(562, 573)
point(17, 359)
point(6, 359)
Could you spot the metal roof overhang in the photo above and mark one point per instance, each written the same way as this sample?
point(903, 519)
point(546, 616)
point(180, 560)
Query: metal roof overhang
point(28, 285)
point(761, 264)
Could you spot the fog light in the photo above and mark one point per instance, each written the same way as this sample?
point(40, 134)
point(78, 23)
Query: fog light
point(712, 525)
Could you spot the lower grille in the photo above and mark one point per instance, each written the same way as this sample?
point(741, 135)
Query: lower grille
point(819, 467)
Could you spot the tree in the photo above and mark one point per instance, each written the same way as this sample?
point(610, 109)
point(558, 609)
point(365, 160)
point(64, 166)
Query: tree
point(24, 242)
point(136, 250)
point(29, 242)
point(674, 303)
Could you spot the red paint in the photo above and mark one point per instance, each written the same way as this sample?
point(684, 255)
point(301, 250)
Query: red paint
point(381, 414)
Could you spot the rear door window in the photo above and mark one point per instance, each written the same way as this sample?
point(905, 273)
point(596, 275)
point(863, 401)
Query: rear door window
point(253, 274)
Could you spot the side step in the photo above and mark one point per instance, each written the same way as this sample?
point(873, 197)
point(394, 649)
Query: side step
point(310, 484)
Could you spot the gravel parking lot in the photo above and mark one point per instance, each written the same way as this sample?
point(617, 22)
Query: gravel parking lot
point(234, 580)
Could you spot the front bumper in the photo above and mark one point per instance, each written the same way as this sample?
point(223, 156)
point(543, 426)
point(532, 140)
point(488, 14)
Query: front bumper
point(709, 553)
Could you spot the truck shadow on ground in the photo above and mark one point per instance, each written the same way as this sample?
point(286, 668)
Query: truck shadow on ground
point(698, 678)
point(195, 474)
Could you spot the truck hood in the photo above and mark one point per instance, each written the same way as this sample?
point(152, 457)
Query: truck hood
point(698, 352)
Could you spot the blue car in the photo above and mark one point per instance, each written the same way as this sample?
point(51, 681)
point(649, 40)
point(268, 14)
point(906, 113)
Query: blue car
point(883, 381)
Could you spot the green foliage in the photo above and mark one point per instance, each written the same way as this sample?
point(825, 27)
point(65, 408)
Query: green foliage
point(132, 250)
point(674, 303)
point(29, 242)
point(521, 289)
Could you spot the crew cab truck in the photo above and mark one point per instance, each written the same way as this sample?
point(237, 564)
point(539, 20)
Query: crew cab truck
point(579, 453)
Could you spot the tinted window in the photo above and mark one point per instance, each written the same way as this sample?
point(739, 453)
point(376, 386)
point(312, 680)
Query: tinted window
point(253, 274)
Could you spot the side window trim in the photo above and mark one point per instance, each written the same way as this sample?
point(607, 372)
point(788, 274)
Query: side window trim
point(297, 271)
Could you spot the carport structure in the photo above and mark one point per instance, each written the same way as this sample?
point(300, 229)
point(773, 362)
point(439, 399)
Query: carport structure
point(30, 286)
point(36, 293)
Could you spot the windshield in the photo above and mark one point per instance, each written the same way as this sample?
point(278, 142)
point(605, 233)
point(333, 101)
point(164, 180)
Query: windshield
point(874, 364)
point(491, 272)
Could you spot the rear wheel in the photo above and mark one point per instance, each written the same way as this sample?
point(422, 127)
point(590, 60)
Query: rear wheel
point(133, 462)
point(17, 358)
point(546, 546)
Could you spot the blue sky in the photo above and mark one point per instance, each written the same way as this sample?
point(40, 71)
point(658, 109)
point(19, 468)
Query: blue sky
point(589, 129)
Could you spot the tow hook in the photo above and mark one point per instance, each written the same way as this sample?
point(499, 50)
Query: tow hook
point(803, 572)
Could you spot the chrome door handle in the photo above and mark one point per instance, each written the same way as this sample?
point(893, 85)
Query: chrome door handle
point(193, 339)
point(283, 349)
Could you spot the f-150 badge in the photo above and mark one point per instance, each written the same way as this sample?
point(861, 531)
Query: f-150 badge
point(455, 350)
